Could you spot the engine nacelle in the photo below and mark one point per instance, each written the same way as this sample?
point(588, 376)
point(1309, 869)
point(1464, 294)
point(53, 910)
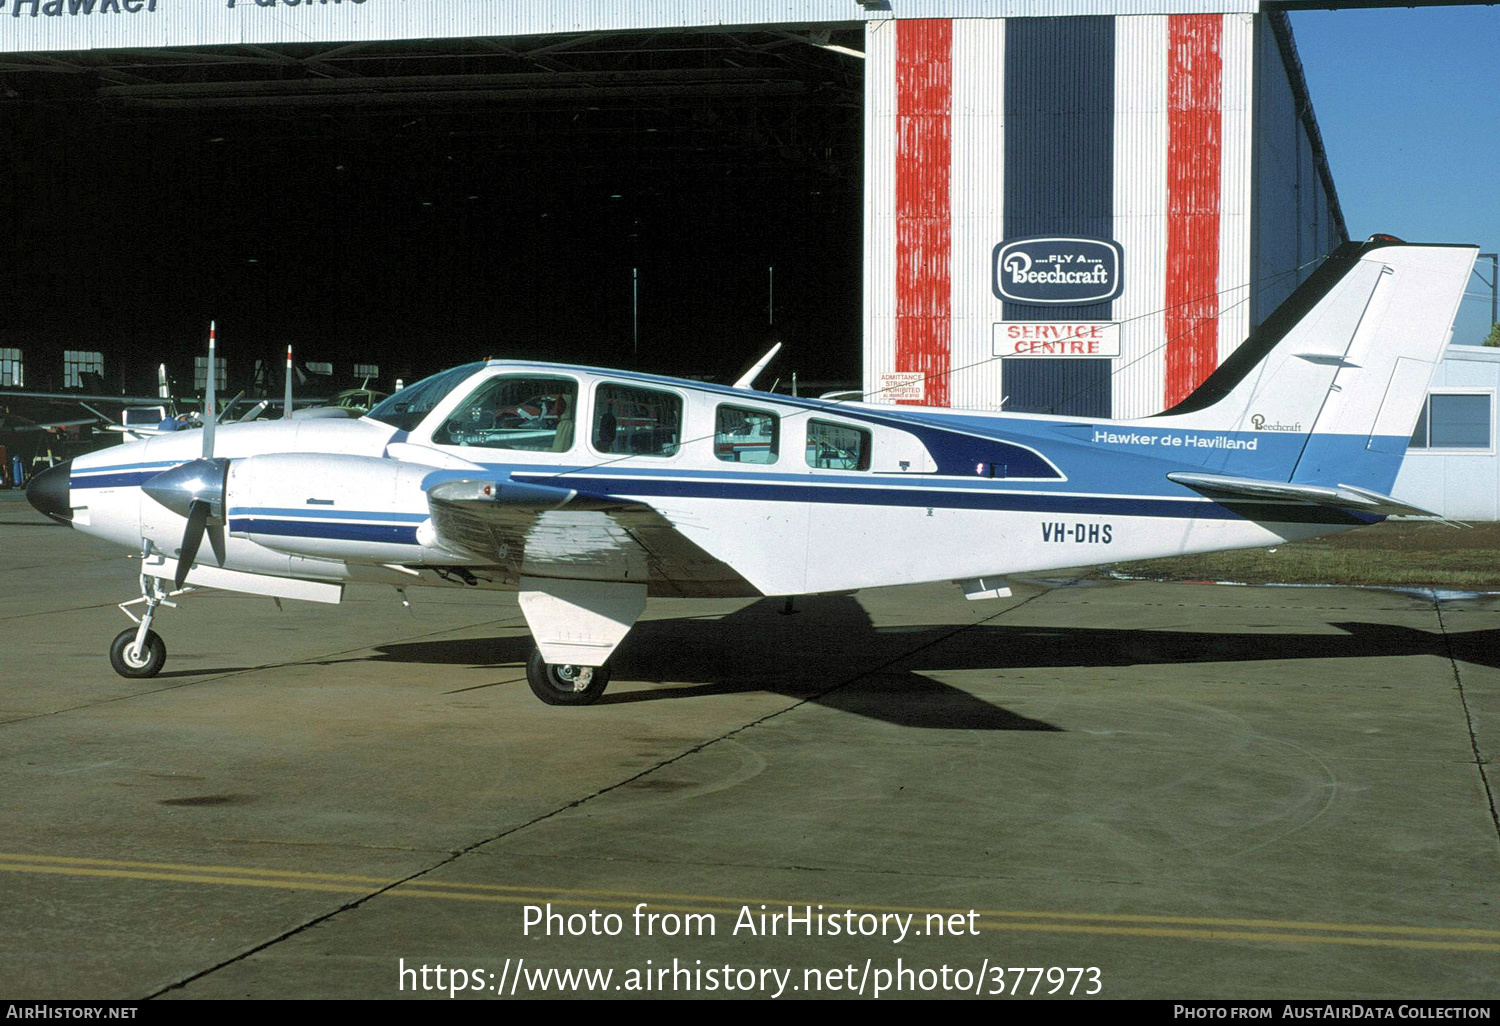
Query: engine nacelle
point(354, 508)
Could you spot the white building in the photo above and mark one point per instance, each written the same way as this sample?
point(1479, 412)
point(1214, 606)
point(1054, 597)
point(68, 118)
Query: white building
point(1450, 467)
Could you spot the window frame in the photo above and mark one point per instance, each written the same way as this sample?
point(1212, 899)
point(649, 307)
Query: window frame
point(595, 405)
point(200, 372)
point(448, 411)
point(867, 452)
point(13, 366)
point(1424, 419)
point(775, 434)
point(77, 362)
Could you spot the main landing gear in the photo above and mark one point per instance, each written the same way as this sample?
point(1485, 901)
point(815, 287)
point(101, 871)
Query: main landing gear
point(139, 651)
point(564, 683)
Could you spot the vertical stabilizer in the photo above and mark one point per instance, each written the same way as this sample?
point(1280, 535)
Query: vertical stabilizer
point(1335, 378)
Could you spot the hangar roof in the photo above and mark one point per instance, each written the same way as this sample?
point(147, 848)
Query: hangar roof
point(52, 25)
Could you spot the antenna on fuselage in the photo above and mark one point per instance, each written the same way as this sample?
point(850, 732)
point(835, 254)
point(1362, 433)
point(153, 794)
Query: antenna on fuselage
point(748, 378)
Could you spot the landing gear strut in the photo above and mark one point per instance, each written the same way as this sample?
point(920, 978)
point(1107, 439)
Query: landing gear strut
point(139, 651)
point(564, 683)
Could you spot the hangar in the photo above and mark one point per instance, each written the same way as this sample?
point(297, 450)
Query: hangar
point(1063, 206)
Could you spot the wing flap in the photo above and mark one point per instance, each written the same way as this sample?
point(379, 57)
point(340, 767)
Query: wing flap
point(543, 530)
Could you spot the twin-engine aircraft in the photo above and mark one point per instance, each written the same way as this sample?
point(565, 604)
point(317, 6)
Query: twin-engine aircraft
point(589, 490)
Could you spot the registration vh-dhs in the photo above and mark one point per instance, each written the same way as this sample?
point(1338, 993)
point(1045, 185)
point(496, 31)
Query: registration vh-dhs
point(588, 491)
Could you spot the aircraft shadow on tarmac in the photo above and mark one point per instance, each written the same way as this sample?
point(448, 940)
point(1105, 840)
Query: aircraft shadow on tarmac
point(831, 654)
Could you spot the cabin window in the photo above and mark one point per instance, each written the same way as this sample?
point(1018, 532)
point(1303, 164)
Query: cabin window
point(837, 446)
point(408, 406)
point(531, 413)
point(12, 373)
point(77, 363)
point(744, 435)
point(636, 421)
point(1452, 420)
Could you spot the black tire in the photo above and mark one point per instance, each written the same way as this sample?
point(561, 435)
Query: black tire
point(152, 659)
point(553, 682)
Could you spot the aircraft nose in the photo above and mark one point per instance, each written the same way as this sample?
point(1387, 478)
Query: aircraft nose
point(48, 492)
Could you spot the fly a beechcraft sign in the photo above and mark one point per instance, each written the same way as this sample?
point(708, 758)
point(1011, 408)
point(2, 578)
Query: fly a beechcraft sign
point(1057, 271)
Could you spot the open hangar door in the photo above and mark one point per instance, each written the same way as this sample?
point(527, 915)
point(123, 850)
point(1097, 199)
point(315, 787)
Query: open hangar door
point(668, 201)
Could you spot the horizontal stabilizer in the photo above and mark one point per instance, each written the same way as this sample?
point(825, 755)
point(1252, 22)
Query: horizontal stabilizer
point(1345, 497)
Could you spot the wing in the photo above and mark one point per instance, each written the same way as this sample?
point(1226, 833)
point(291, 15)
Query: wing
point(552, 531)
point(1348, 498)
point(51, 424)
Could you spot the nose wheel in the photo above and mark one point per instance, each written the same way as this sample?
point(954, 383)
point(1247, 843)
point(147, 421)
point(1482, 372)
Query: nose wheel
point(565, 683)
point(139, 651)
point(133, 656)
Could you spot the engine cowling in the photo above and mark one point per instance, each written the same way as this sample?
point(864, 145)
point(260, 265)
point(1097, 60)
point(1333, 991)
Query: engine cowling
point(354, 508)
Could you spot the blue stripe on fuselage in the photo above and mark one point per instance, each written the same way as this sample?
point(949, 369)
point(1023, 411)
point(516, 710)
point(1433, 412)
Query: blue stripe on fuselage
point(325, 514)
point(322, 529)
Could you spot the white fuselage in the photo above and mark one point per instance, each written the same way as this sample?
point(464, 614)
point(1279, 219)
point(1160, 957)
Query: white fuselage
point(345, 501)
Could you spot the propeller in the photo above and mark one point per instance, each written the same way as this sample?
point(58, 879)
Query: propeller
point(195, 490)
point(224, 413)
point(210, 418)
point(286, 405)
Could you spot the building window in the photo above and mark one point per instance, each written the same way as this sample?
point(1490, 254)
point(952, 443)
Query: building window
point(367, 371)
point(12, 373)
point(1454, 420)
point(200, 372)
point(637, 421)
point(837, 446)
point(743, 435)
point(77, 363)
point(325, 369)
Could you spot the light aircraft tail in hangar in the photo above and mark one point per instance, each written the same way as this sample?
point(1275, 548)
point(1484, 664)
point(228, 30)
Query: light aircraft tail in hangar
point(589, 490)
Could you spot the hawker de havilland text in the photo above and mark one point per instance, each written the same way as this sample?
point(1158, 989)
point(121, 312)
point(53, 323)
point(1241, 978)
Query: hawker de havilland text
point(589, 490)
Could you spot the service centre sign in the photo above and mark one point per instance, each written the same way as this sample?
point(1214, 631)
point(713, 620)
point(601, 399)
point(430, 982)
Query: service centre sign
point(1054, 339)
point(1057, 271)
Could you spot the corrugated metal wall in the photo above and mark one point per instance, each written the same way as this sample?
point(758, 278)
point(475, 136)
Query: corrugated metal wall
point(31, 25)
point(1146, 132)
point(1297, 221)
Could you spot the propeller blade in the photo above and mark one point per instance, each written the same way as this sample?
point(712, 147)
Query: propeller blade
point(231, 405)
point(216, 542)
point(210, 414)
point(286, 406)
point(197, 521)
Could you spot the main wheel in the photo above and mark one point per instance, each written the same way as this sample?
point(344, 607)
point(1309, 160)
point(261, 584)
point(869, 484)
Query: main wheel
point(557, 683)
point(147, 663)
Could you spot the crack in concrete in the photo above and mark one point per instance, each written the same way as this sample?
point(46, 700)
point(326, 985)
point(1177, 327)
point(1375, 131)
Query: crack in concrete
point(1463, 699)
point(693, 750)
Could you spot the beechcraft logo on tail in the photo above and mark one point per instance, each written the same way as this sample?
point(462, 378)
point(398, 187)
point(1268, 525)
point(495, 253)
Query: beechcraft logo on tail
point(1053, 271)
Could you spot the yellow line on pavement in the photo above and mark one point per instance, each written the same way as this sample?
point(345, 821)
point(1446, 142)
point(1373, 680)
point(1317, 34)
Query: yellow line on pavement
point(991, 920)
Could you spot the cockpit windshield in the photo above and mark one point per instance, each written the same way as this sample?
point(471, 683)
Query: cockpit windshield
point(406, 408)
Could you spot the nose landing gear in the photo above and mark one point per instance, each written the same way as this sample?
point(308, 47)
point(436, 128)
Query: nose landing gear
point(134, 656)
point(139, 651)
